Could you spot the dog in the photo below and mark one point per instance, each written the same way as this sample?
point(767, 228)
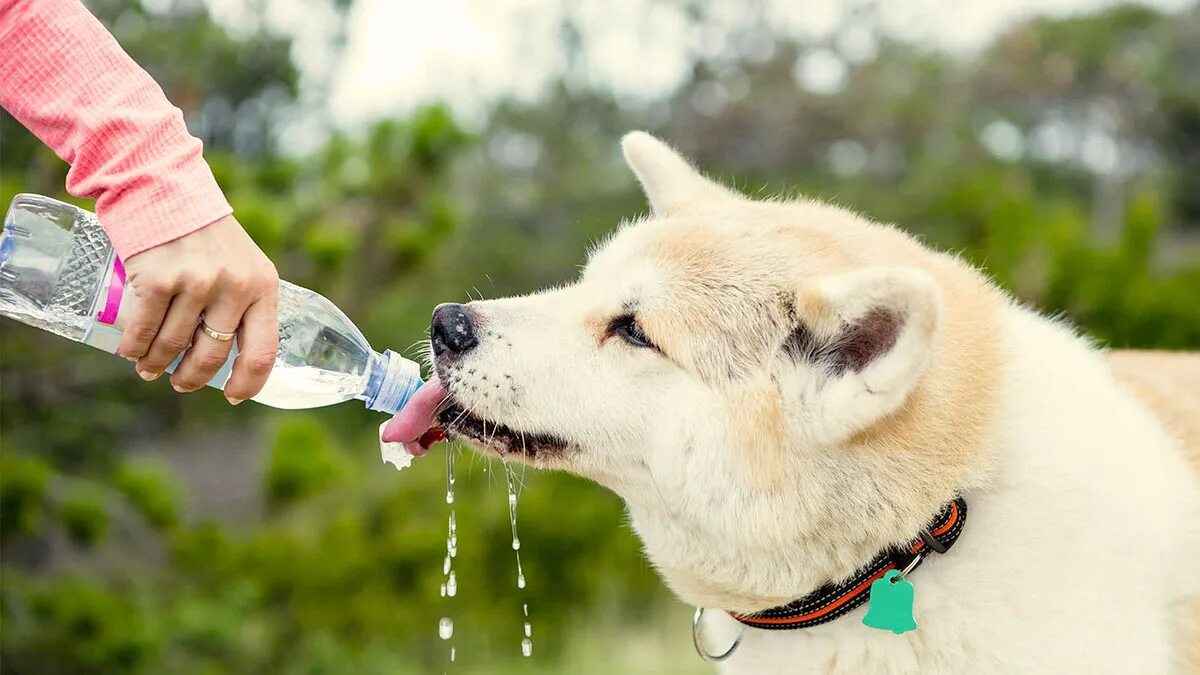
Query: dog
point(783, 392)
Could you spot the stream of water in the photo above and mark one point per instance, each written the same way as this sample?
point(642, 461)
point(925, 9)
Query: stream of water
point(527, 641)
point(449, 587)
point(450, 584)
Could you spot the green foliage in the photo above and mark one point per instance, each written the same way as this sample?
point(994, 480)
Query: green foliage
point(84, 517)
point(22, 485)
point(73, 626)
point(302, 461)
point(149, 489)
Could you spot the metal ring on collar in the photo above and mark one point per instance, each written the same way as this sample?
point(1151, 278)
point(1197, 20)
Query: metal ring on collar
point(912, 564)
point(698, 640)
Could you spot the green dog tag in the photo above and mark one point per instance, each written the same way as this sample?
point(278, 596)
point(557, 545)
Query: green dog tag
point(891, 605)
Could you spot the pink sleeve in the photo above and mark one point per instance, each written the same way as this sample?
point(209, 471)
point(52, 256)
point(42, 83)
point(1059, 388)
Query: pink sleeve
point(65, 78)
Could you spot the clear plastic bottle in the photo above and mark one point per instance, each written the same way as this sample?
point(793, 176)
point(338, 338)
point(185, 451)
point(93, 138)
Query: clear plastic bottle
point(58, 272)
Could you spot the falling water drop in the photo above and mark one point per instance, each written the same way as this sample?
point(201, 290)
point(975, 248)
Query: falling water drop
point(526, 643)
point(512, 519)
point(450, 585)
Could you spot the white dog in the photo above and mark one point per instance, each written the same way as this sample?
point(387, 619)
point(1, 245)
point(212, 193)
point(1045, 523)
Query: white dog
point(793, 400)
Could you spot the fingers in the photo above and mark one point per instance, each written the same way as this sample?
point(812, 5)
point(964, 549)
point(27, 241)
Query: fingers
point(216, 270)
point(145, 320)
point(173, 337)
point(207, 354)
point(257, 341)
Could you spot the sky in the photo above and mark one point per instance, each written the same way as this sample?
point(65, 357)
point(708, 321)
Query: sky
point(402, 53)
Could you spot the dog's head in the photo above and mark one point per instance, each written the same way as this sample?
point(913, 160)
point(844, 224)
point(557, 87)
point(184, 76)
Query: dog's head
point(777, 389)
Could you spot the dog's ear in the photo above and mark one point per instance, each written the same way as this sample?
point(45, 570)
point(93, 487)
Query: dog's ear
point(863, 339)
point(670, 183)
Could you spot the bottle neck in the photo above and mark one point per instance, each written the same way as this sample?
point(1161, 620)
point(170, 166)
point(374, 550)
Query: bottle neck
point(391, 381)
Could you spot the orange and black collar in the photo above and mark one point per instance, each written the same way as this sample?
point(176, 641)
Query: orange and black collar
point(833, 600)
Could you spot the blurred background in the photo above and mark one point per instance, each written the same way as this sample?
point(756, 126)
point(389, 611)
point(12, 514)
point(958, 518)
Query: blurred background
point(393, 155)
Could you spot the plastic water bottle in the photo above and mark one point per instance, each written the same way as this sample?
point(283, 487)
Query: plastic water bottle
point(58, 272)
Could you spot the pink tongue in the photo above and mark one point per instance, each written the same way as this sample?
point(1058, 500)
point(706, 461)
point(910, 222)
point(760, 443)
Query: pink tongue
point(411, 423)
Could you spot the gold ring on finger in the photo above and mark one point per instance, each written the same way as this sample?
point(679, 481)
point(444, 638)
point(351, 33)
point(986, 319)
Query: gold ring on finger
point(217, 335)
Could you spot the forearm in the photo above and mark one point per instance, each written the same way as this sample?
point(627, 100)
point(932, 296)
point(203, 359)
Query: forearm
point(68, 81)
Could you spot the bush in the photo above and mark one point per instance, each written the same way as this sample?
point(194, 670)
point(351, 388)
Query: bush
point(150, 490)
point(302, 461)
point(84, 516)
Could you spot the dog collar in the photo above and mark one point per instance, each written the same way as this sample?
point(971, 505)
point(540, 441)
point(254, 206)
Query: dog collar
point(833, 600)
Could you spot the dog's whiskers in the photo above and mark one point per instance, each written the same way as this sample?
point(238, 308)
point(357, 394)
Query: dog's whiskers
point(461, 415)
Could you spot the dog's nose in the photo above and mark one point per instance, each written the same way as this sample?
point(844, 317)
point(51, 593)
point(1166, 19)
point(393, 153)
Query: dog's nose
point(453, 331)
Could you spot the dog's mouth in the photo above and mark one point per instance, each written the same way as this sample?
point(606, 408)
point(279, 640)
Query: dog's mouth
point(460, 423)
point(433, 410)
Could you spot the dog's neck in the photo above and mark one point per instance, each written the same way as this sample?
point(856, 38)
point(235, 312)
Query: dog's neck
point(738, 564)
point(834, 600)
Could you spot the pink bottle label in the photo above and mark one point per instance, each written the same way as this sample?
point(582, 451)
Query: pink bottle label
point(116, 289)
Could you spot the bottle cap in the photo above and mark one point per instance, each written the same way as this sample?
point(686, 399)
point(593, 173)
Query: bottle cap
point(391, 387)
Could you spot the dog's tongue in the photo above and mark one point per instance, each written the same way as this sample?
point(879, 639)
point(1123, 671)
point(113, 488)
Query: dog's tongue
point(414, 426)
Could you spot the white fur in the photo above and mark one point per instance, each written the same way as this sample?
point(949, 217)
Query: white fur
point(753, 479)
point(1081, 542)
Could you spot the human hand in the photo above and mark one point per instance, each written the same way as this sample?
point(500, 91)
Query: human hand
point(217, 272)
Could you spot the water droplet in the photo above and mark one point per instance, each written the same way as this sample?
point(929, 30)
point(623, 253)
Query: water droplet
point(446, 565)
point(449, 496)
point(452, 523)
point(452, 585)
point(452, 653)
point(446, 628)
point(526, 644)
point(443, 590)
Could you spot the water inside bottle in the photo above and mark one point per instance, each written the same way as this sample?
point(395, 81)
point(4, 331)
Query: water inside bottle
point(322, 358)
point(60, 323)
point(292, 387)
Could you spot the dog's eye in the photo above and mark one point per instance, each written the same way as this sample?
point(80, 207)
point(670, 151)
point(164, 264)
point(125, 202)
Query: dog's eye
point(627, 328)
